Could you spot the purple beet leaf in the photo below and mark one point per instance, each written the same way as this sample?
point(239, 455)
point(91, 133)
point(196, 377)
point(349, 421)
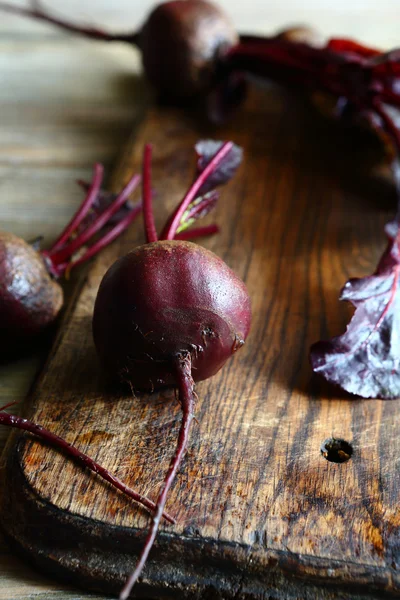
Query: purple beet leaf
point(206, 150)
point(365, 360)
point(198, 209)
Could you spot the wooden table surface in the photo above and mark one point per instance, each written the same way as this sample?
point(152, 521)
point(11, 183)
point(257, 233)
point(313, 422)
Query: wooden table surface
point(66, 103)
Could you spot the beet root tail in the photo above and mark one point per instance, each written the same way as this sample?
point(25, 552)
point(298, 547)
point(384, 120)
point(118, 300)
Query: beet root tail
point(39, 13)
point(70, 450)
point(187, 400)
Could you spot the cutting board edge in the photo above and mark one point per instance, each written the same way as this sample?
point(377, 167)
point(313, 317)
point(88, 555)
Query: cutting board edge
point(232, 568)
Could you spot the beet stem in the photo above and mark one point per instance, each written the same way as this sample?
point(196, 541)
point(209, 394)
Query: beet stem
point(394, 133)
point(198, 232)
point(58, 442)
point(38, 13)
point(169, 231)
point(187, 400)
point(148, 213)
point(67, 251)
point(7, 406)
point(104, 199)
point(388, 123)
point(83, 210)
point(109, 237)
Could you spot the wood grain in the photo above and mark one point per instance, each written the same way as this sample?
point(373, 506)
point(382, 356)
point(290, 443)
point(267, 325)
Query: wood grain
point(259, 510)
point(65, 103)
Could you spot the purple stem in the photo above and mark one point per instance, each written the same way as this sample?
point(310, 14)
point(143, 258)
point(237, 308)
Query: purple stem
point(394, 133)
point(388, 123)
point(109, 237)
point(58, 442)
point(187, 400)
point(83, 210)
point(103, 200)
point(170, 229)
point(192, 234)
point(36, 12)
point(67, 251)
point(148, 214)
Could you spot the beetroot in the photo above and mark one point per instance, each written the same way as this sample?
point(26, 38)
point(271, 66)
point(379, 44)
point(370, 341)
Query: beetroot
point(169, 299)
point(189, 48)
point(30, 295)
point(170, 312)
point(30, 299)
point(182, 42)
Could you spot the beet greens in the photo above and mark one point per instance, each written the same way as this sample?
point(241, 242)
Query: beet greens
point(365, 359)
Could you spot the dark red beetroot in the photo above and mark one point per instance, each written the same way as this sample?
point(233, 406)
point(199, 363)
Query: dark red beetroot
point(167, 299)
point(30, 295)
point(181, 42)
point(30, 299)
point(190, 48)
point(170, 312)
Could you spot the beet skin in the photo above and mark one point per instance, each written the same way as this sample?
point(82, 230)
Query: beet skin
point(167, 299)
point(181, 43)
point(30, 299)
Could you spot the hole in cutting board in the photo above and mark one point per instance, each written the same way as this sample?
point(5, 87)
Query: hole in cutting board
point(336, 450)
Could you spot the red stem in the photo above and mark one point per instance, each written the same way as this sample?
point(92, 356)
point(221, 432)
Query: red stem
point(338, 45)
point(388, 123)
point(58, 442)
point(290, 63)
point(192, 234)
point(148, 214)
point(83, 210)
point(346, 45)
point(170, 229)
point(64, 253)
point(94, 33)
point(389, 97)
point(394, 133)
point(104, 199)
point(187, 400)
point(109, 237)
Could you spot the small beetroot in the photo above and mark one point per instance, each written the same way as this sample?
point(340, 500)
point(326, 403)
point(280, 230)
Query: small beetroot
point(190, 49)
point(30, 299)
point(171, 312)
point(164, 300)
point(182, 42)
point(30, 295)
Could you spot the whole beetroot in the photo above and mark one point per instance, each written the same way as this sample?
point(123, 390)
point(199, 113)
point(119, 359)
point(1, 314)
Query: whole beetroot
point(165, 300)
point(30, 298)
point(170, 312)
point(30, 295)
point(182, 42)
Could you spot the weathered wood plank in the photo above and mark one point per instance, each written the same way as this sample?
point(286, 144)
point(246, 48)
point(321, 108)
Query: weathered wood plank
point(254, 490)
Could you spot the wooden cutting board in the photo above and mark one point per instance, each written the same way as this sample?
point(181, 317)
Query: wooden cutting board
point(260, 512)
